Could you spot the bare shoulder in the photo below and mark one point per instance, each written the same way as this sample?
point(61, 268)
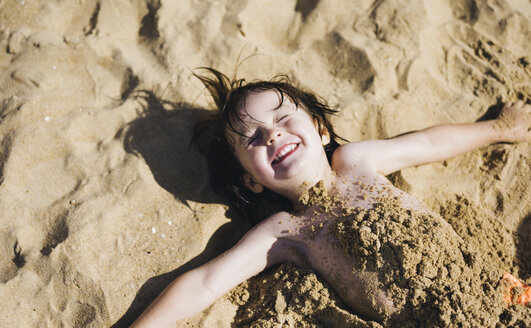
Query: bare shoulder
point(288, 246)
point(278, 232)
point(281, 224)
point(273, 228)
point(354, 157)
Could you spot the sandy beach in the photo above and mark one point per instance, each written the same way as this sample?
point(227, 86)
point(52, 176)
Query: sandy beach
point(103, 202)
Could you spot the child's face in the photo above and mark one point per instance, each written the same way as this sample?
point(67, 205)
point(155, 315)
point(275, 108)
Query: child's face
point(281, 147)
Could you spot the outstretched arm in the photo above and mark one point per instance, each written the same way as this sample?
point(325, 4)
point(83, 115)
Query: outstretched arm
point(195, 290)
point(440, 142)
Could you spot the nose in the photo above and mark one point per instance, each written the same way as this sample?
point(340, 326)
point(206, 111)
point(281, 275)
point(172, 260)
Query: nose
point(272, 136)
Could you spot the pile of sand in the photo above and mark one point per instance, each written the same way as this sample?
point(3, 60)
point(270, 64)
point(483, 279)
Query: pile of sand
point(102, 203)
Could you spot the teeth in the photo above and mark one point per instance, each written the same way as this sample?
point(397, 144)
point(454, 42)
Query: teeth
point(284, 151)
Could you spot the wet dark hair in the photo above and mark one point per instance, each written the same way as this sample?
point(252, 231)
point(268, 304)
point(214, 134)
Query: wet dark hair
point(226, 173)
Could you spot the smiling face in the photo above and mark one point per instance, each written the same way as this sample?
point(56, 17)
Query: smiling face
point(277, 144)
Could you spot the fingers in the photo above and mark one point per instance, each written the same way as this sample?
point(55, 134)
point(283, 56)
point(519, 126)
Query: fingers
point(519, 104)
point(526, 108)
point(513, 104)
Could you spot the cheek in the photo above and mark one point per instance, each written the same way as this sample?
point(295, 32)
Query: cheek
point(259, 161)
point(306, 131)
point(303, 124)
point(252, 161)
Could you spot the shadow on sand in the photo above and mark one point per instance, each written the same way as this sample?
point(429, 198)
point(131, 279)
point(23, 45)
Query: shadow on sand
point(523, 247)
point(162, 136)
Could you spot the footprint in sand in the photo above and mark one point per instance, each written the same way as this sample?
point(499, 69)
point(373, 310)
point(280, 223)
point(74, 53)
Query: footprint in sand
point(56, 235)
point(347, 62)
point(467, 10)
point(75, 299)
point(11, 257)
point(485, 68)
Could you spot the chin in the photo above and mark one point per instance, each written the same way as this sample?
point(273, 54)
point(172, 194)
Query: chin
point(300, 176)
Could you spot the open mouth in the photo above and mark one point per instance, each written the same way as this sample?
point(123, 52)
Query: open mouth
point(284, 152)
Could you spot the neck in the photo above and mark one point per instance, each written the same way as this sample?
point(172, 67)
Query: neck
point(301, 187)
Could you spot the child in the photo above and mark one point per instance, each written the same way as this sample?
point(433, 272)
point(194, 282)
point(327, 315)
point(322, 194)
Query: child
point(335, 211)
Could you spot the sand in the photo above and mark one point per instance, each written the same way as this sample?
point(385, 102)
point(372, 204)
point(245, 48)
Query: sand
point(102, 202)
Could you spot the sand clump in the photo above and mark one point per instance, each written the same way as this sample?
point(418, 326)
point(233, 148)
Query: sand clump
point(433, 277)
point(294, 297)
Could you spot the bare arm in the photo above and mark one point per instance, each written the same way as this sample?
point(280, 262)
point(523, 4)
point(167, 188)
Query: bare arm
point(195, 290)
point(439, 142)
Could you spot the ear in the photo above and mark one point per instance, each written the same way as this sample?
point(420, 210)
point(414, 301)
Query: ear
point(251, 183)
point(325, 135)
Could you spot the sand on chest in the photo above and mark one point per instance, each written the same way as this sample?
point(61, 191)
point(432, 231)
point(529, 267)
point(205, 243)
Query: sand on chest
point(425, 269)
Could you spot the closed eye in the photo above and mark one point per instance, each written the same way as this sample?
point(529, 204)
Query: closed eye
point(281, 118)
point(252, 139)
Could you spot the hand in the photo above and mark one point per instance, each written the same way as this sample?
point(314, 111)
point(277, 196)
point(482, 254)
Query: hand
point(514, 122)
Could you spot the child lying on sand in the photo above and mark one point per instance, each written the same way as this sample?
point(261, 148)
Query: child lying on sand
point(385, 255)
